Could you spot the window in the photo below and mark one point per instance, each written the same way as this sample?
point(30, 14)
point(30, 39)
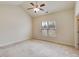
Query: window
point(48, 28)
point(52, 25)
point(44, 25)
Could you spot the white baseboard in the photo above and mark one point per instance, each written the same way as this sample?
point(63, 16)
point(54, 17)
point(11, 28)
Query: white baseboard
point(12, 43)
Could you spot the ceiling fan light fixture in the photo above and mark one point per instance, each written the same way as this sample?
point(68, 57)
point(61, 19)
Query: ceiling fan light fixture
point(36, 9)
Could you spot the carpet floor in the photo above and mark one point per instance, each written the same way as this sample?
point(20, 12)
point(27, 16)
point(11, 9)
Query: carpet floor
point(37, 48)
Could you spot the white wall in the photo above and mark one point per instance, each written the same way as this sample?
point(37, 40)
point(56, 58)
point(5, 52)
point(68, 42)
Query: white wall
point(76, 8)
point(76, 16)
point(15, 24)
point(64, 24)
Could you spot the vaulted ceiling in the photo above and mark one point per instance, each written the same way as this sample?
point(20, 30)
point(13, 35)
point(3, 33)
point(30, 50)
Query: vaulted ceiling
point(51, 6)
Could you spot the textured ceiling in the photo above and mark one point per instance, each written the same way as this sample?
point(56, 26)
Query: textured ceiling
point(51, 6)
point(11, 2)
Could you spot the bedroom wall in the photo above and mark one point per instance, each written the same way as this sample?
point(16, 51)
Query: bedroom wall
point(76, 8)
point(76, 25)
point(15, 25)
point(64, 24)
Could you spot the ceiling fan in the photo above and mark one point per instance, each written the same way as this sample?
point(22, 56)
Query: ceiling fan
point(37, 7)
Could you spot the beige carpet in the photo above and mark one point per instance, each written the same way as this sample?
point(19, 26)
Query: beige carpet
point(37, 48)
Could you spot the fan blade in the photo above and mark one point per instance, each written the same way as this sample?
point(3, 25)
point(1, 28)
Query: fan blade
point(32, 4)
point(46, 12)
point(29, 8)
point(42, 5)
point(41, 9)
